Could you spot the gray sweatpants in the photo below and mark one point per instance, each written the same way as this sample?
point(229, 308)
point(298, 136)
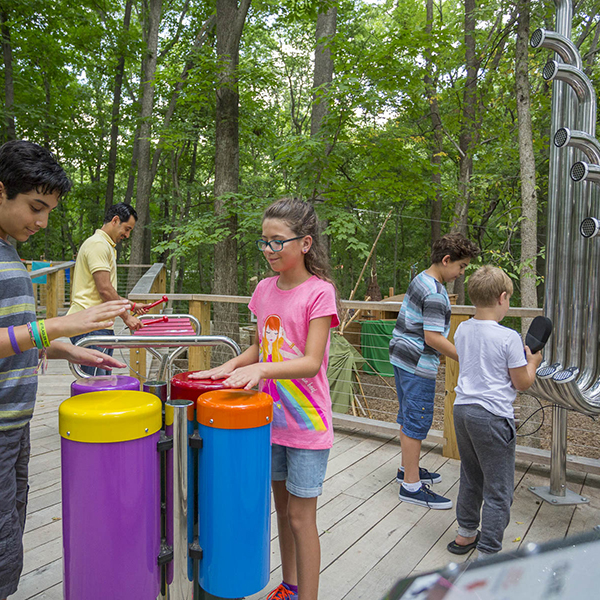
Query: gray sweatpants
point(486, 444)
point(14, 458)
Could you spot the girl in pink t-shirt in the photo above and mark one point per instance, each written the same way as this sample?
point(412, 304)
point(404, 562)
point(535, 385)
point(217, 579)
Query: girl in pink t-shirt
point(295, 311)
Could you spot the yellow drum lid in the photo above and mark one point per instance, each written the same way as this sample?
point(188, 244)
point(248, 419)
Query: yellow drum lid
point(113, 416)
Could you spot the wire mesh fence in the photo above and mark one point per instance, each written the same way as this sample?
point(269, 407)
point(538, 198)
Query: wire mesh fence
point(361, 376)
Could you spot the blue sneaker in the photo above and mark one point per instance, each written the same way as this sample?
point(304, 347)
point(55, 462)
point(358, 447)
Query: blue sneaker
point(425, 497)
point(424, 475)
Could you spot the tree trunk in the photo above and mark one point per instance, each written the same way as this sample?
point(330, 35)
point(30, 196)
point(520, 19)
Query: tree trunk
point(111, 167)
point(436, 127)
point(322, 78)
point(230, 24)
point(527, 163)
point(151, 13)
point(467, 139)
point(323, 73)
point(9, 84)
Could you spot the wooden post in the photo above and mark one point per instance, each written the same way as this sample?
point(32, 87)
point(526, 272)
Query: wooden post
point(160, 282)
point(199, 357)
point(137, 363)
point(35, 289)
point(61, 288)
point(450, 449)
point(52, 295)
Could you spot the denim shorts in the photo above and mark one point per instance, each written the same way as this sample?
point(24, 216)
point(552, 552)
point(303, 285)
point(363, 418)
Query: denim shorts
point(415, 396)
point(302, 469)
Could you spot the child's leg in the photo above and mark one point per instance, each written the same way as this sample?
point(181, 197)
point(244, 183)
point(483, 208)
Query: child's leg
point(287, 544)
point(14, 455)
point(493, 440)
point(411, 453)
point(302, 513)
point(470, 491)
point(497, 458)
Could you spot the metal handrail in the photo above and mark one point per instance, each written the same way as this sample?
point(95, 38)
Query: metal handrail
point(151, 342)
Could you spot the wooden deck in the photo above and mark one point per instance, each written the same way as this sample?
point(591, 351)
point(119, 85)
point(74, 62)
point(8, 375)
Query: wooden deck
point(369, 539)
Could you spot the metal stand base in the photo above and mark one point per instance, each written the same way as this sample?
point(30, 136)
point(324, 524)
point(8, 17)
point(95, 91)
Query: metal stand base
point(569, 498)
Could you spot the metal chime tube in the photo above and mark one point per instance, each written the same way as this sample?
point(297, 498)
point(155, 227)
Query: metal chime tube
point(176, 416)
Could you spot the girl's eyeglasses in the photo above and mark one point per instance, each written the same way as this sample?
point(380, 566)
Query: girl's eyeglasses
point(275, 245)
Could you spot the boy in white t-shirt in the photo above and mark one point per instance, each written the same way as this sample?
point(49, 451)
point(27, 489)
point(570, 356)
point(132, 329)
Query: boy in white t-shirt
point(493, 367)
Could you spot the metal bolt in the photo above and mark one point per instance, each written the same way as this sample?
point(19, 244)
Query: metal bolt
point(584, 499)
point(68, 433)
point(267, 418)
point(146, 430)
point(210, 421)
point(554, 501)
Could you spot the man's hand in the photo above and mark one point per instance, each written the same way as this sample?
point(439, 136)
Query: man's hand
point(140, 309)
point(131, 322)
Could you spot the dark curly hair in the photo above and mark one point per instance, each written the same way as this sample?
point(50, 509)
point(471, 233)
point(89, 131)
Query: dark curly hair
point(25, 166)
point(454, 245)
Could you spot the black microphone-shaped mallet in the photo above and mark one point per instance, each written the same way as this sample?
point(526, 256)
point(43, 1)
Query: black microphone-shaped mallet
point(538, 333)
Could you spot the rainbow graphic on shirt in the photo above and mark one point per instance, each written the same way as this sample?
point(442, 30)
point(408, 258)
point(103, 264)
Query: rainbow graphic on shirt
point(293, 405)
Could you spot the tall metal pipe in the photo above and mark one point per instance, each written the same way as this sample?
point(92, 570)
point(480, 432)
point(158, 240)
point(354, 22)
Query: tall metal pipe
point(572, 247)
point(581, 140)
point(176, 418)
point(562, 45)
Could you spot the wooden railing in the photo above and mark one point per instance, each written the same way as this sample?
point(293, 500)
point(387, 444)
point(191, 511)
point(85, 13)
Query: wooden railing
point(55, 285)
point(200, 307)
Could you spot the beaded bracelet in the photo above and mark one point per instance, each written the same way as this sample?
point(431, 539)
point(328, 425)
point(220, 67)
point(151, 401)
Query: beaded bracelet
point(44, 333)
point(13, 340)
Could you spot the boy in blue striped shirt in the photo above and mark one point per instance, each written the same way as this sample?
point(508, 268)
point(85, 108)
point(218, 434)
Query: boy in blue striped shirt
point(420, 336)
point(31, 185)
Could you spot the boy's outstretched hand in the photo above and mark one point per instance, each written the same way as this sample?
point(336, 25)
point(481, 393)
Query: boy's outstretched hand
point(87, 357)
point(98, 317)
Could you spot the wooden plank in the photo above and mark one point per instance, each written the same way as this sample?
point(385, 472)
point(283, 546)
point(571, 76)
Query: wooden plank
point(450, 446)
point(551, 521)
point(39, 580)
point(380, 427)
point(359, 573)
point(52, 295)
point(199, 357)
point(585, 517)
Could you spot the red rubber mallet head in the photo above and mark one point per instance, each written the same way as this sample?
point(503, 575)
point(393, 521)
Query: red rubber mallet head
point(164, 299)
point(146, 322)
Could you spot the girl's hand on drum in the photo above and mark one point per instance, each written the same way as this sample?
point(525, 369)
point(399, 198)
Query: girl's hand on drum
point(244, 378)
point(216, 373)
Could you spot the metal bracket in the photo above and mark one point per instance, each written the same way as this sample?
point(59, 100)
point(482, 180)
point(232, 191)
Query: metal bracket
point(570, 497)
point(164, 443)
point(195, 551)
point(195, 441)
point(166, 554)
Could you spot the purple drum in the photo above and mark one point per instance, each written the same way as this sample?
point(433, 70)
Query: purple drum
point(104, 383)
point(111, 495)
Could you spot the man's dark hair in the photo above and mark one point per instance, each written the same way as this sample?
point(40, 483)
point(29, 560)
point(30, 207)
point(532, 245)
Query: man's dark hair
point(25, 166)
point(455, 245)
point(121, 210)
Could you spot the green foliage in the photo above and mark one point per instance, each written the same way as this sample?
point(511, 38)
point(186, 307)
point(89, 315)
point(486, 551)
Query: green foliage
point(372, 155)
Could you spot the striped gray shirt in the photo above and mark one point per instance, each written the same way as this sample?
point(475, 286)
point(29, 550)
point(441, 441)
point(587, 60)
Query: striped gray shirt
point(18, 380)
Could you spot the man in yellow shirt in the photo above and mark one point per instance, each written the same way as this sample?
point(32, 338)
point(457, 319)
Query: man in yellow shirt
point(95, 278)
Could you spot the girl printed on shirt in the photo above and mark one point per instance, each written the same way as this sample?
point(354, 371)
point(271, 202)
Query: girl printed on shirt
point(293, 407)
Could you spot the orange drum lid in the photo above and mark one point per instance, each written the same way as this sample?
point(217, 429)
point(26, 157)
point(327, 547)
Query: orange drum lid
point(234, 409)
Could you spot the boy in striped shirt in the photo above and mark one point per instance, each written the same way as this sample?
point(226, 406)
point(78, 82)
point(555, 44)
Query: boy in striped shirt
point(420, 336)
point(31, 185)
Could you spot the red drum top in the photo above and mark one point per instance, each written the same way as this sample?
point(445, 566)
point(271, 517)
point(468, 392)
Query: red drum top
point(184, 388)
